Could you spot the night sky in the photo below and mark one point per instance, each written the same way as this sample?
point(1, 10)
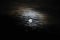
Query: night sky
point(9, 22)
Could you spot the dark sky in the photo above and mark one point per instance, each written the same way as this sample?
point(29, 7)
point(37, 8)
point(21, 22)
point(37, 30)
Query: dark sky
point(50, 6)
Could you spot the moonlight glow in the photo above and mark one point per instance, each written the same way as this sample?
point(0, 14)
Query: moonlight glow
point(30, 17)
point(33, 18)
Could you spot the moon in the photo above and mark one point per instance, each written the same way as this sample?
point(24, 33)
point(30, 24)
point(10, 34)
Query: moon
point(30, 20)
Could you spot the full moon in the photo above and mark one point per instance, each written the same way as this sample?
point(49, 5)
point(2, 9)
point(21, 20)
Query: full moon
point(30, 20)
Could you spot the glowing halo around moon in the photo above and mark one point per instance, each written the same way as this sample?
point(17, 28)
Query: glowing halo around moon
point(33, 18)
